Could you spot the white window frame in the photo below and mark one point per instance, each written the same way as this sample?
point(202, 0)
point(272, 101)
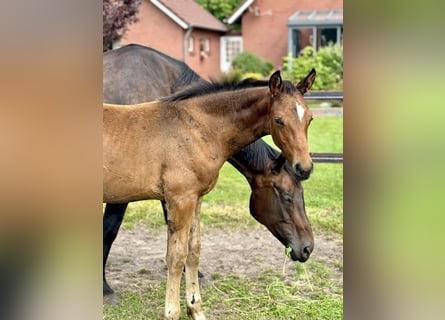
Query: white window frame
point(191, 47)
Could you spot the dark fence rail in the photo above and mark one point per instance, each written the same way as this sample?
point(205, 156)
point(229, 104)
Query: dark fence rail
point(324, 95)
point(325, 157)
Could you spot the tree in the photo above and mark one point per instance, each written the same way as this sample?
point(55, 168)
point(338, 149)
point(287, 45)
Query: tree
point(116, 15)
point(219, 8)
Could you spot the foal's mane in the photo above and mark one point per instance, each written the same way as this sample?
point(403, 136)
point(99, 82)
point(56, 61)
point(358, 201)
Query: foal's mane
point(206, 88)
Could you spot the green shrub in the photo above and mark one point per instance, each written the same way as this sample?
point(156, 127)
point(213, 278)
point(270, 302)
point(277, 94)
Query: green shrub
point(248, 62)
point(232, 76)
point(328, 63)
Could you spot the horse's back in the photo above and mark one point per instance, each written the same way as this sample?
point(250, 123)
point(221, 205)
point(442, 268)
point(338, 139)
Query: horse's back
point(129, 76)
point(133, 129)
point(148, 147)
point(132, 156)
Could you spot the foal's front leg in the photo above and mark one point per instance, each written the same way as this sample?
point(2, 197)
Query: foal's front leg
point(193, 295)
point(180, 214)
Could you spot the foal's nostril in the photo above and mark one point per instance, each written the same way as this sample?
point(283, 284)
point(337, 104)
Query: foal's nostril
point(303, 174)
point(299, 169)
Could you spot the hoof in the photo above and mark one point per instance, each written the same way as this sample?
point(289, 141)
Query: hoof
point(106, 289)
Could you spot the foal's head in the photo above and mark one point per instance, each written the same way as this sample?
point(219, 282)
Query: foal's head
point(289, 121)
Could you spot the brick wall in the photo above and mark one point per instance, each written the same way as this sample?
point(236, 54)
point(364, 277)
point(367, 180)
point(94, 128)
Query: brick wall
point(208, 65)
point(156, 30)
point(267, 35)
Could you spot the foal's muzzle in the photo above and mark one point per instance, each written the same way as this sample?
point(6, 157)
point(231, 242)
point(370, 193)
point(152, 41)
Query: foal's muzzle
point(302, 173)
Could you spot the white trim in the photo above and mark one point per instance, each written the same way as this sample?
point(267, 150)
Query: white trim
point(234, 16)
point(191, 44)
point(170, 14)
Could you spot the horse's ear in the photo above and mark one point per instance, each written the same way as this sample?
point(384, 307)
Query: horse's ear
point(304, 85)
point(275, 83)
point(278, 164)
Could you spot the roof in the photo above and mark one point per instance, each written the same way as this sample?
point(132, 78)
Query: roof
point(239, 11)
point(299, 18)
point(188, 13)
point(312, 18)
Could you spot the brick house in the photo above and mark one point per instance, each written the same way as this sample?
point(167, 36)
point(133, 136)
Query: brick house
point(181, 29)
point(275, 28)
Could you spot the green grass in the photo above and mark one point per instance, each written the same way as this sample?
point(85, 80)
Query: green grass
point(303, 296)
point(309, 294)
point(324, 190)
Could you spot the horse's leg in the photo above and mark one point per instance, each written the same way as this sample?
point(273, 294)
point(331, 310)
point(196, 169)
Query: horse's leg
point(193, 295)
point(112, 219)
point(180, 214)
point(164, 209)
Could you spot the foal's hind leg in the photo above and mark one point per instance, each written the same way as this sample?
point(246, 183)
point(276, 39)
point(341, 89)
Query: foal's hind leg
point(180, 214)
point(193, 295)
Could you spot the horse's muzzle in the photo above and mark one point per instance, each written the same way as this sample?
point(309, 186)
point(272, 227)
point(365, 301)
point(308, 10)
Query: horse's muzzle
point(302, 173)
point(303, 255)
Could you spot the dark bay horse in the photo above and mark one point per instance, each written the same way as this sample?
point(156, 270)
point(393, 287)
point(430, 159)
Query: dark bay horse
point(134, 74)
point(172, 150)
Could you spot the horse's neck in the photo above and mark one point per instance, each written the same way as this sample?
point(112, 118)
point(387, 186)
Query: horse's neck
point(253, 159)
point(239, 117)
point(254, 156)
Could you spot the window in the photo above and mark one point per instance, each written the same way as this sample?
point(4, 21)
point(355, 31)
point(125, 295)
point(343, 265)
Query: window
point(317, 28)
point(204, 45)
point(231, 46)
point(326, 36)
point(191, 44)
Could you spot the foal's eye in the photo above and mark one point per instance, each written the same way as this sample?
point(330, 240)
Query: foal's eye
point(279, 121)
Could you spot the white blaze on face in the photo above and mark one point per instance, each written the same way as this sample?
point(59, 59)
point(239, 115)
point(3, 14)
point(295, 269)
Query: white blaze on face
point(300, 111)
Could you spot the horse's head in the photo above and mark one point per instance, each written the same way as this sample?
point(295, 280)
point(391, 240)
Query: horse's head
point(277, 202)
point(289, 121)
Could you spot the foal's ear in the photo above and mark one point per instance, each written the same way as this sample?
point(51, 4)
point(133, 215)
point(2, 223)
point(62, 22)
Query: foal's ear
point(304, 85)
point(275, 83)
point(278, 164)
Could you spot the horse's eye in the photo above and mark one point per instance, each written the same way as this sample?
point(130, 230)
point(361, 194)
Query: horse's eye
point(287, 198)
point(279, 121)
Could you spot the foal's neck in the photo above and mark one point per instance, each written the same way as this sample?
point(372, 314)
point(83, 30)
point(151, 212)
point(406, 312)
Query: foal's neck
point(240, 116)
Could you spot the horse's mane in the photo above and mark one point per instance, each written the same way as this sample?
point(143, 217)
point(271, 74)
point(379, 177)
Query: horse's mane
point(256, 155)
point(185, 76)
point(205, 88)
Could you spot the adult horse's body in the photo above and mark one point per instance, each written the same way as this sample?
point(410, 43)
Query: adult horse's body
point(134, 74)
point(173, 149)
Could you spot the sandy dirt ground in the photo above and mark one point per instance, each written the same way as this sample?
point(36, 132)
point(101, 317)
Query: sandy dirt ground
point(139, 254)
